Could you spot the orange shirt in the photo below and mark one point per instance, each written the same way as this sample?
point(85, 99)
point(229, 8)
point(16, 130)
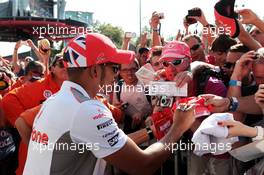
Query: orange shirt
point(28, 96)
point(19, 82)
point(25, 97)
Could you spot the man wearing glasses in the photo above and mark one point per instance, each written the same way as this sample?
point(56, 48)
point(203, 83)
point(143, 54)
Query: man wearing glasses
point(196, 46)
point(72, 117)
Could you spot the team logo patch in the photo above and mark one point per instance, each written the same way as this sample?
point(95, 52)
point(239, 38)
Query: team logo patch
point(105, 124)
point(47, 93)
point(114, 140)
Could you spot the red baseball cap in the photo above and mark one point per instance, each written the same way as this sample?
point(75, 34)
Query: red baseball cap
point(175, 50)
point(93, 48)
point(224, 12)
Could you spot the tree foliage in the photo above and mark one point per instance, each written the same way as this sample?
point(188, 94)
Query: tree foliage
point(113, 32)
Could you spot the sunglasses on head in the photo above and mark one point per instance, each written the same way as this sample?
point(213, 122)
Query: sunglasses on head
point(229, 65)
point(195, 47)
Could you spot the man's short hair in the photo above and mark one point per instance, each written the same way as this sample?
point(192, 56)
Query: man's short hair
point(155, 51)
point(239, 48)
point(34, 66)
point(188, 37)
point(222, 43)
point(75, 72)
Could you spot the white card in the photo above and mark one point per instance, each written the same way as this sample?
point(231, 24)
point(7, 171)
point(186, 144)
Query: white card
point(167, 88)
point(146, 74)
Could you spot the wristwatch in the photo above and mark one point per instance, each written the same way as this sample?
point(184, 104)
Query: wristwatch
point(260, 133)
point(233, 104)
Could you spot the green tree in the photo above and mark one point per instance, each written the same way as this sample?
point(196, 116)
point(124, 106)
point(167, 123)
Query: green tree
point(114, 33)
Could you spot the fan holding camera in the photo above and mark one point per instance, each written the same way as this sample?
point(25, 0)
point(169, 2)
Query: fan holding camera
point(194, 15)
point(155, 25)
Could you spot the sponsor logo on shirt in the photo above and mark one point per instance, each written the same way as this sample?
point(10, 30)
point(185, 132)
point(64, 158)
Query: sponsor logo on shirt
point(105, 124)
point(98, 116)
point(113, 140)
point(37, 136)
point(47, 93)
point(110, 133)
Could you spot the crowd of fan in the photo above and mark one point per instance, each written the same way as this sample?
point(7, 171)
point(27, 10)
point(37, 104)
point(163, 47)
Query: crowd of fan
point(209, 63)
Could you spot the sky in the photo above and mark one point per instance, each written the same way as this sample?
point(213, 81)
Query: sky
point(125, 13)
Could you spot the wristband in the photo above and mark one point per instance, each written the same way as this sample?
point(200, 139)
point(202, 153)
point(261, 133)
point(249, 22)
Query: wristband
point(233, 104)
point(150, 133)
point(260, 134)
point(235, 83)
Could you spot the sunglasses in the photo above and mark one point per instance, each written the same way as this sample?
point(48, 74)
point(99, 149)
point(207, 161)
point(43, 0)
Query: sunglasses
point(174, 62)
point(195, 47)
point(115, 68)
point(229, 65)
point(60, 64)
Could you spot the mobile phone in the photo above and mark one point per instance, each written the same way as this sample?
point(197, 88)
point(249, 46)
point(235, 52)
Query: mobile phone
point(161, 15)
point(130, 35)
point(195, 12)
point(190, 20)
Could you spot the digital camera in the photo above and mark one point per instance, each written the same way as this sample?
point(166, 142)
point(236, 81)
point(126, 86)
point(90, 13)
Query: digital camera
point(165, 101)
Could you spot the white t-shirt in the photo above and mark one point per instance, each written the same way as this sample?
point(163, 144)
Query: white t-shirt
point(71, 134)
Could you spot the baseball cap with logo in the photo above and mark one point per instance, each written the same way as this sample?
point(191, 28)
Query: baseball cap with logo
point(175, 50)
point(224, 12)
point(93, 48)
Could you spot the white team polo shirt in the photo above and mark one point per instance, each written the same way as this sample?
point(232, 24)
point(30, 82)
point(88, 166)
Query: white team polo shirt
point(70, 135)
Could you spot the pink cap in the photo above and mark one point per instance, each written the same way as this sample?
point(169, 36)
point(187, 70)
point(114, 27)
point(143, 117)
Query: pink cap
point(175, 50)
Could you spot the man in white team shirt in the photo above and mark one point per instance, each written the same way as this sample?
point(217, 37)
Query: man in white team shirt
point(72, 120)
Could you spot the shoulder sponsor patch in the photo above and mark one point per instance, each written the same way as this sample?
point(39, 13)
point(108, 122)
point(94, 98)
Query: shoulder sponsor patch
point(110, 133)
point(105, 124)
point(79, 95)
point(114, 140)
